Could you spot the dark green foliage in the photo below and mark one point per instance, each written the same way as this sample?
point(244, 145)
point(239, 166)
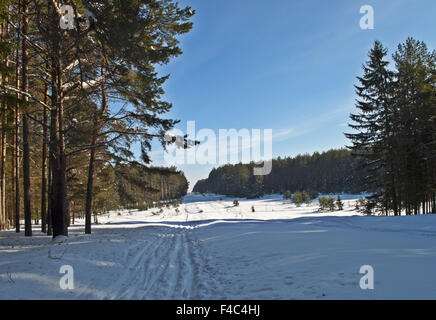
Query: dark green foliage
point(287, 195)
point(365, 206)
point(306, 197)
point(297, 199)
point(339, 203)
point(79, 99)
point(326, 203)
point(142, 187)
point(395, 129)
point(332, 171)
point(360, 203)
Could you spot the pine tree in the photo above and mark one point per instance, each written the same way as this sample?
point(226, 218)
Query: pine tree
point(306, 197)
point(287, 195)
point(372, 143)
point(339, 203)
point(298, 199)
point(331, 203)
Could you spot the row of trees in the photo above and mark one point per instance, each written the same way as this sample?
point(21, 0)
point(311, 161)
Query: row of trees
point(74, 100)
point(298, 198)
point(329, 204)
point(334, 171)
point(140, 187)
point(130, 186)
point(394, 134)
point(325, 203)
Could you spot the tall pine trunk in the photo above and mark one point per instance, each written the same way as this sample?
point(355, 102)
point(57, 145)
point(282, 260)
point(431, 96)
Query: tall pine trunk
point(3, 129)
point(62, 172)
point(26, 137)
point(92, 157)
point(90, 187)
point(56, 212)
point(16, 160)
point(4, 80)
point(44, 165)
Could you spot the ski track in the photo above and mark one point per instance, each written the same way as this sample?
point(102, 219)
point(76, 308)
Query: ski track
point(172, 265)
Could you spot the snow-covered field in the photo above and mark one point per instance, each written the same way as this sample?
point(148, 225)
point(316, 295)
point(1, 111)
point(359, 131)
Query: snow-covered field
point(212, 250)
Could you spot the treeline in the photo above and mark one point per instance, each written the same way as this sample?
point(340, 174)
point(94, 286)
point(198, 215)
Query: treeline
point(79, 87)
point(140, 187)
point(395, 128)
point(334, 171)
point(129, 186)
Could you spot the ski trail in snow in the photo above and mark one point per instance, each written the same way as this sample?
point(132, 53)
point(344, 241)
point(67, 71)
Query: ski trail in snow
point(178, 278)
point(171, 265)
point(135, 261)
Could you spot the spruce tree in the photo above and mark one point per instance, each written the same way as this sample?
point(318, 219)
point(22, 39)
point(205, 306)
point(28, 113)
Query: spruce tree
point(306, 197)
point(298, 199)
point(339, 203)
point(371, 141)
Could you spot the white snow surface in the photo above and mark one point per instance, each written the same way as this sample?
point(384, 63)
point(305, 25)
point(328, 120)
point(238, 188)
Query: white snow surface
point(212, 250)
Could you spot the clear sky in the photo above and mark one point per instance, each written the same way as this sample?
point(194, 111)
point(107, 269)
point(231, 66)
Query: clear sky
point(286, 65)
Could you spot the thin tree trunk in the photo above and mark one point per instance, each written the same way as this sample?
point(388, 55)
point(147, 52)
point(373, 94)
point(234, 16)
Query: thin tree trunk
point(3, 146)
point(62, 196)
point(16, 165)
point(56, 213)
point(44, 165)
point(26, 146)
point(90, 186)
point(50, 192)
point(92, 157)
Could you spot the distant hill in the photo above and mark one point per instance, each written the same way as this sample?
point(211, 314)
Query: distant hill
point(332, 171)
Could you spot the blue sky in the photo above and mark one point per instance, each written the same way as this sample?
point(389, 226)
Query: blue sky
point(285, 65)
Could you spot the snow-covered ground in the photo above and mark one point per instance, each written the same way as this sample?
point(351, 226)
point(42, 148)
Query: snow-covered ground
point(208, 249)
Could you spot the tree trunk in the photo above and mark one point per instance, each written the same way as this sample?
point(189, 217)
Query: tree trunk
point(50, 192)
point(56, 210)
point(17, 150)
point(26, 146)
point(92, 157)
point(44, 165)
point(62, 195)
point(2, 145)
point(5, 37)
point(90, 186)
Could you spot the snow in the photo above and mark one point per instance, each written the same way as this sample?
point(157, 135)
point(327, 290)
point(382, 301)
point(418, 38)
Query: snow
point(212, 250)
